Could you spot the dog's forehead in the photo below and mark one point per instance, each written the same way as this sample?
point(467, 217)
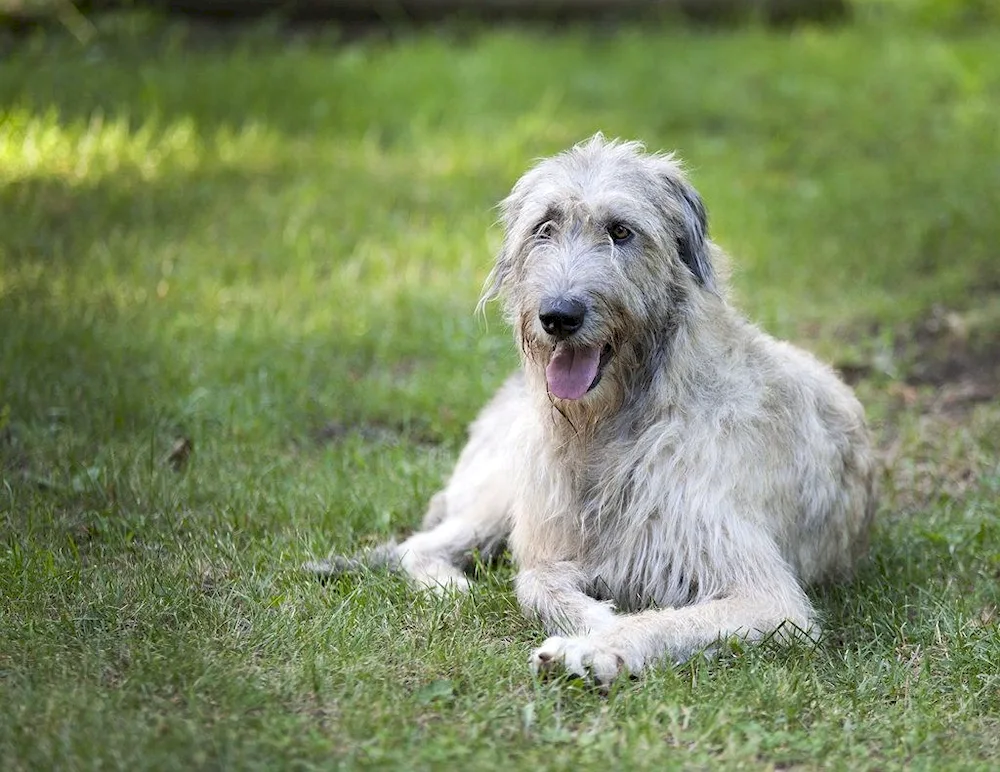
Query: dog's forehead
point(604, 181)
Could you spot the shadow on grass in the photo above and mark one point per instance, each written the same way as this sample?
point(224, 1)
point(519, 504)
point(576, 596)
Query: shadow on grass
point(78, 335)
point(70, 225)
point(114, 322)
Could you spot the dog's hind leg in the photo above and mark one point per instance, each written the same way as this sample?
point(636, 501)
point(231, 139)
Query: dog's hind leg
point(470, 516)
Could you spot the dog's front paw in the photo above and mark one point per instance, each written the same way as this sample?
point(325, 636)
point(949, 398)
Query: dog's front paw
point(584, 657)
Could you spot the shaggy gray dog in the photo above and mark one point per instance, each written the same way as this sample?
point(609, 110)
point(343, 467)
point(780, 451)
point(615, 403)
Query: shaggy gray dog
point(666, 475)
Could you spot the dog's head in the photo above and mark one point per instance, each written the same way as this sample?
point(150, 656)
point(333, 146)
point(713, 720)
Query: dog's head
point(604, 246)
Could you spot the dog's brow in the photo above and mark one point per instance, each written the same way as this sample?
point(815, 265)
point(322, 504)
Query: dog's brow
point(614, 210)
point(552, 213)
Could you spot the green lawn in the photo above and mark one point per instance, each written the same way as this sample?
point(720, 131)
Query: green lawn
point(271, 246)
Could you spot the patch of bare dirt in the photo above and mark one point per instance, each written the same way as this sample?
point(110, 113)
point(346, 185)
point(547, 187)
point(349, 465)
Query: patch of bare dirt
point(934, 442)
point(962, 364)
point(944, 364)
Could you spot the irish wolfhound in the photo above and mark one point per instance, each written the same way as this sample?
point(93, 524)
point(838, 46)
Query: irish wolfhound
point(665, 474)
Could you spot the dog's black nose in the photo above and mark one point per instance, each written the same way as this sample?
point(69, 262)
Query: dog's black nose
point(561, 317)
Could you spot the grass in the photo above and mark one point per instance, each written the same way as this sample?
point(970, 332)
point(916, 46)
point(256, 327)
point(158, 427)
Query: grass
point(271, 246)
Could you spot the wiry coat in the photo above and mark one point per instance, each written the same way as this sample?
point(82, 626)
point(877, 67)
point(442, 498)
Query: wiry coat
point(707, 474)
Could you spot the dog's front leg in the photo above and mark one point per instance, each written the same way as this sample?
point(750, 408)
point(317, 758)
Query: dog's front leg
point(635, 641)
point(554, 593)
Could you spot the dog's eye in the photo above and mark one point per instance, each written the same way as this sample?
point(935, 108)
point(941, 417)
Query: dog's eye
point(619, 232)
point(544, 230)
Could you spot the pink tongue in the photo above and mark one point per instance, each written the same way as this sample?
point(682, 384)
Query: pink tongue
point(571, 371)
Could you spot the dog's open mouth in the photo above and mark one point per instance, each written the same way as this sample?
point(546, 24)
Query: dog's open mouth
point(575, 370)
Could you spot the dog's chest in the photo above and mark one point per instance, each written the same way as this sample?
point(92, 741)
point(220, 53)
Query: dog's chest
point(630, 493)
point(641, 570)
point(635, 546)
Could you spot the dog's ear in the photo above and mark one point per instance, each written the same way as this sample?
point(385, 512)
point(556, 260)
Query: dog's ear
point(504, 263)
point(498, 275)
point(692, 243)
